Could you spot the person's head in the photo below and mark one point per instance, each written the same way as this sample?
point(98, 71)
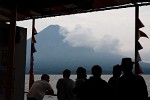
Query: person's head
point(96, 70)
point(127, 65)
point(45, 77)
point(81, 73)
point(117, 70)
point(66, 73)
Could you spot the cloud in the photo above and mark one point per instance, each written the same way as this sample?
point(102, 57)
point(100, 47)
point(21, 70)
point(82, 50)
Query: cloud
point(84, 37)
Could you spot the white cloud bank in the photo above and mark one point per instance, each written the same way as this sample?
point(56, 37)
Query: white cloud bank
point(82, 37)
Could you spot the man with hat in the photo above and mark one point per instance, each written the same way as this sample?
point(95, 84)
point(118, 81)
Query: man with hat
point(131, 86)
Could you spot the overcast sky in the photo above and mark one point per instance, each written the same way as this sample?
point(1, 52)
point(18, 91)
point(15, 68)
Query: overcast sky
point(110, 30)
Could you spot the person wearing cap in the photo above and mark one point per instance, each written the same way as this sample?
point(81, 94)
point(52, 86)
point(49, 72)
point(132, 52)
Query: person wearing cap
point(131, 86)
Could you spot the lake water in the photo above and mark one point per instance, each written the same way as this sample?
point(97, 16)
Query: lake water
point(54, 79)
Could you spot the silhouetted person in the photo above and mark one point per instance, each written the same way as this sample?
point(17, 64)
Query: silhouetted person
point(65, 86)
point(131, 86)
point(113, 81)
point(81, 78)
point(40, 88)
point(95, 88)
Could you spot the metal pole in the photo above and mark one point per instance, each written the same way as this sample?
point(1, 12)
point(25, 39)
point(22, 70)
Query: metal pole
point(31, 77)
point(136, 31)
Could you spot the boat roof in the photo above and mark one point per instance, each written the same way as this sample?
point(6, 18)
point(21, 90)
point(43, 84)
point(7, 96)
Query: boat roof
point(29, 9)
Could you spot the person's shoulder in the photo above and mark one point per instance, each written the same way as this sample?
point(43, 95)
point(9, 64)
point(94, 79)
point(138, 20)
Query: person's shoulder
point(60, 79)
point(140, 77)
point(79, 80)
point(69, 80)
point(111, 78)
point(37, 81)
point(104, 81)
point(44, 82)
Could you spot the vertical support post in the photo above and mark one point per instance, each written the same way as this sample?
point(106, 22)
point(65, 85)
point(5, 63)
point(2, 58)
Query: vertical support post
point(31, 77)
point(11, 50)
point(136, 31)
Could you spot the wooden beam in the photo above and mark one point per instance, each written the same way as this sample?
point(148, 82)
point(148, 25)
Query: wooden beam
point(11, 50)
